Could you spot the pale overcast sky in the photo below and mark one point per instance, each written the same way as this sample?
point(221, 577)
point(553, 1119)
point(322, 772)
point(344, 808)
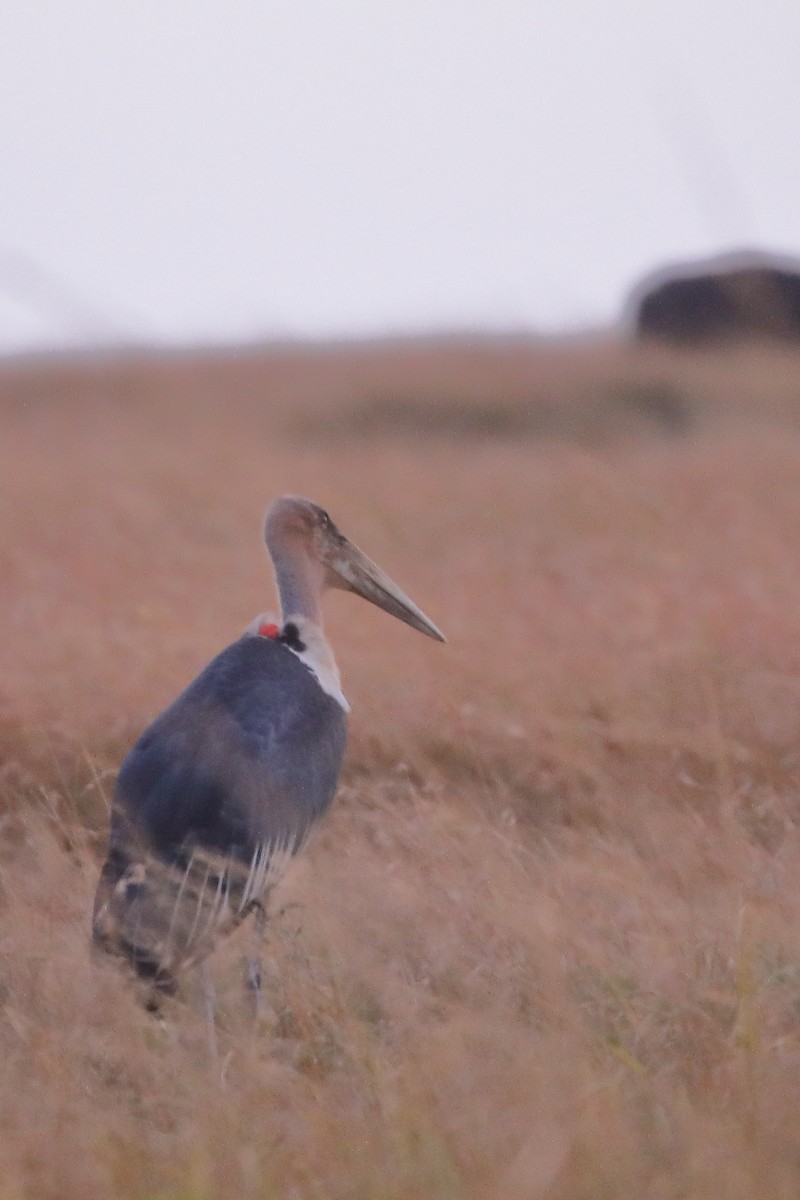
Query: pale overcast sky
point(199, 169)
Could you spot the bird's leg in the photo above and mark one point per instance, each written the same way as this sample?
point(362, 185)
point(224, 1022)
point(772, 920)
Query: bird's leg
point(210, 1005)
point(253, 961)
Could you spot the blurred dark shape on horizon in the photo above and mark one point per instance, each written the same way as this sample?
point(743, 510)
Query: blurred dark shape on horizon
point(746, 295)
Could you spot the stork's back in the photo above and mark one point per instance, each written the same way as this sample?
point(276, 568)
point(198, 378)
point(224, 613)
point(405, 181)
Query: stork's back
point(211, 802)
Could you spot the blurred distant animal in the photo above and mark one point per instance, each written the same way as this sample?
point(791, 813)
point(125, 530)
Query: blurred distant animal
point(224, 787)
point(723, 300)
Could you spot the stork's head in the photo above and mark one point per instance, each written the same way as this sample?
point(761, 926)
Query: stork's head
point(310, 554)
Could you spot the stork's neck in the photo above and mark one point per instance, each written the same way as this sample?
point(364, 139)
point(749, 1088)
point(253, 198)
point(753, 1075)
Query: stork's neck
point(299, 585)
point(310, 645)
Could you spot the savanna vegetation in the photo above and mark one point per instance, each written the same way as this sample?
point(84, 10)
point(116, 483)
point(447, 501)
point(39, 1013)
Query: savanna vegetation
point(547, 943)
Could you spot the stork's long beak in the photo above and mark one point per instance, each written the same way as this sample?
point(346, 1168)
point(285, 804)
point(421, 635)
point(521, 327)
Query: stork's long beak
point(350, 568)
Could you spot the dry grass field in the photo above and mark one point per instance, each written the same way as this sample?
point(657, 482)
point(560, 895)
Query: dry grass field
point(547, 943)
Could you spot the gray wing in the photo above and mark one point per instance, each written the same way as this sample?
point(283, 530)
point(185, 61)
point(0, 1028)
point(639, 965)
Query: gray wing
point(213, 799)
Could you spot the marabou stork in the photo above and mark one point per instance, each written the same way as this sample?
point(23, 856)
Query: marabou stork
point(223, 788)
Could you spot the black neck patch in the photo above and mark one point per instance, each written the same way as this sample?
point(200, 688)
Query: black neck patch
point(290, 636)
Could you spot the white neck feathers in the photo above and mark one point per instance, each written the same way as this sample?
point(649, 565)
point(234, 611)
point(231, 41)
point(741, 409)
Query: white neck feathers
point(316, 653)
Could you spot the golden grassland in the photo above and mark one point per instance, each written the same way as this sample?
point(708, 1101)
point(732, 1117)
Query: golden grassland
point(547, 943)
